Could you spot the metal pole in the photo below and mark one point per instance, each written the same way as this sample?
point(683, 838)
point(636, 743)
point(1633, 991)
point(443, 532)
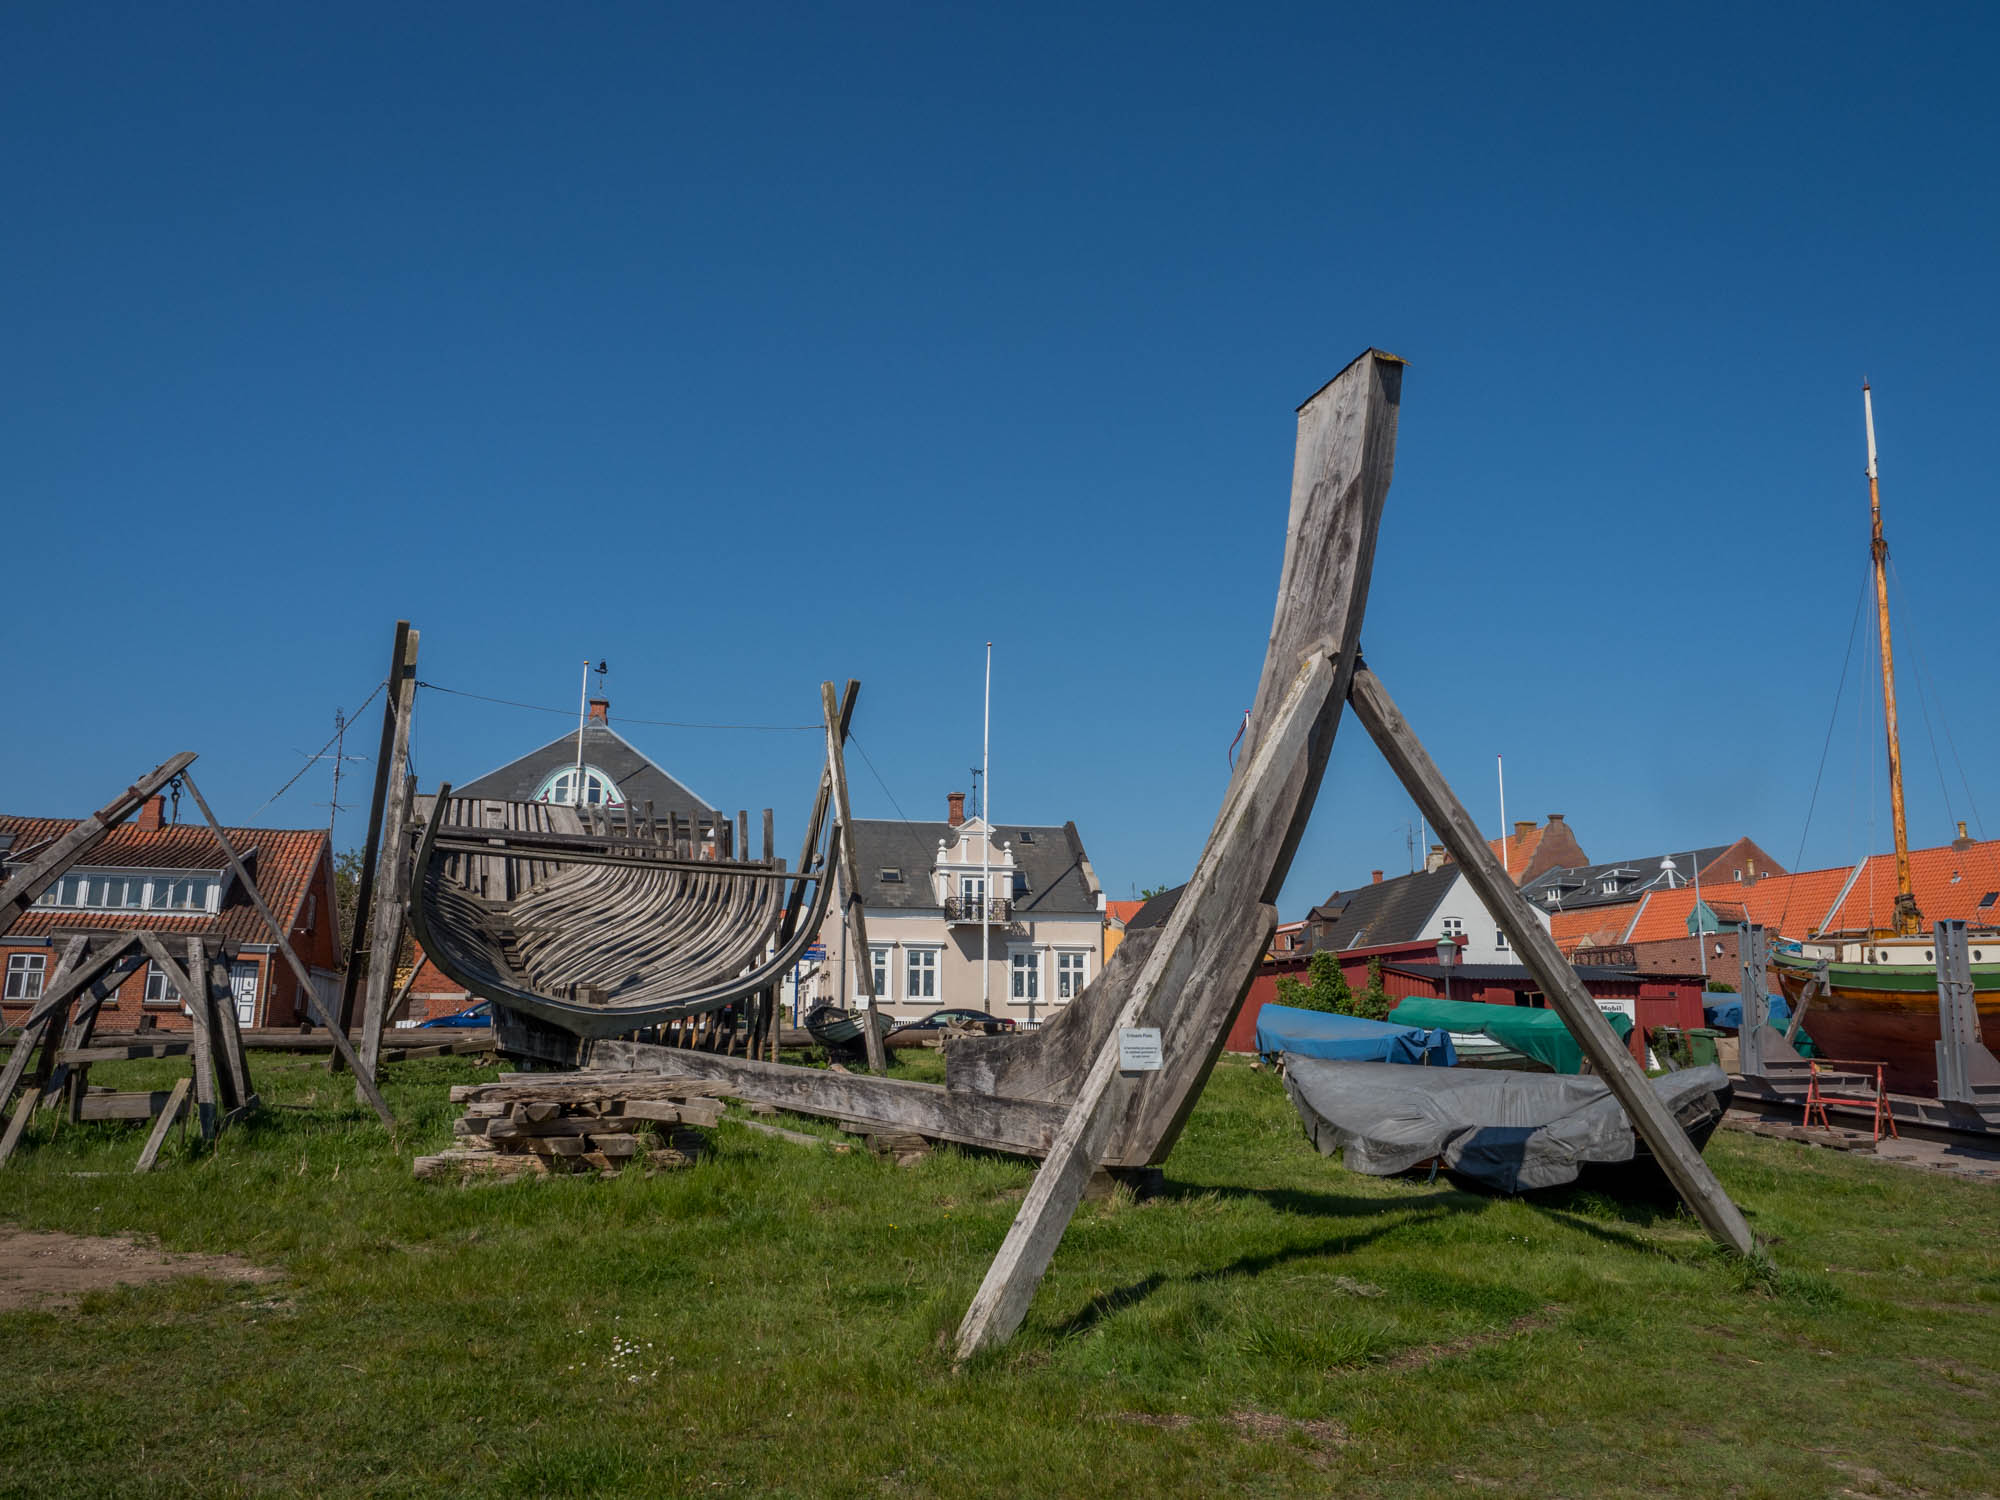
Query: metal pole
point(582, 712)
point(986, 872)
point(1500, 764)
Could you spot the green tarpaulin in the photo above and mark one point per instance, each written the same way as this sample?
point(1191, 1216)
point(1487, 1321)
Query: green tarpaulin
point(1533, 1032)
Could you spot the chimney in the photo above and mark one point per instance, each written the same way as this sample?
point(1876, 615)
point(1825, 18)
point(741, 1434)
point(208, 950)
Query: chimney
point(1555, 817)
point(600, 711)
point(1523, 826)
point(1961, 843)
point(954, 808)
point(1375, 877)
point(1436, 859)
point(153, 814)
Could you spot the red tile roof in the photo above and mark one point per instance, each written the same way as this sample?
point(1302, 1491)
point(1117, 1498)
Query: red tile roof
point(1947, 882)
point(281, 860)
point(1593, 927)
point(1121, 912)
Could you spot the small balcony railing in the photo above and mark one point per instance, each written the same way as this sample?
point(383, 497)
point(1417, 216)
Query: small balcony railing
point(973, 909)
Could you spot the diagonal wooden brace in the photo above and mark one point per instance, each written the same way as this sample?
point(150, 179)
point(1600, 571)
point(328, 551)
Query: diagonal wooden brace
point(1676, 1154)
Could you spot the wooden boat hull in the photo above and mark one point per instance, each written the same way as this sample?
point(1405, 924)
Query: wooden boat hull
point(1887, 1013)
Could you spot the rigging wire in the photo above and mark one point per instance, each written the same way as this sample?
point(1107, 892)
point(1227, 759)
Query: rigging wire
point(1923, 672)
point(542, 708)
point(1832, 720)
point(315, 758)
point(853, 740)
point(1923, 698)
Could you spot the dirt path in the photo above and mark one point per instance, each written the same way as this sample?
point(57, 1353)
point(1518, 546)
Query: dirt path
point(51, 1270)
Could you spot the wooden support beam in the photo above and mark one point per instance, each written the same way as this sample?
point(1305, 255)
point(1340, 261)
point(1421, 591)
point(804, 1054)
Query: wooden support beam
point(850, 876)
point(176, 1102)
point(402, 663)
point(1193, 959)
point(282, 940)
point(1434, 797)
point(392, 900)
point(47, 867)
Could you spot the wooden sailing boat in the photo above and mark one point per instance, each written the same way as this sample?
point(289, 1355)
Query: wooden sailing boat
point(1880, 1003)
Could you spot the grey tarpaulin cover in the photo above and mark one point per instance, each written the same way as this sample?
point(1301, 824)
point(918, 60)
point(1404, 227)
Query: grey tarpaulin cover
point(1509, 1130)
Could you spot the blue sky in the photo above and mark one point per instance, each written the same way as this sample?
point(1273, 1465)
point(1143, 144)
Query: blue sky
point(747, 346)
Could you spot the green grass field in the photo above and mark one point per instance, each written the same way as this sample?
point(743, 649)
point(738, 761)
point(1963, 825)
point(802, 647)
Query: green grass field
point(773, 1322)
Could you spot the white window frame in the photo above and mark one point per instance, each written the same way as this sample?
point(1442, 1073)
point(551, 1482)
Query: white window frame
point(1500, 938)
point(1029, 971)
point(1072, 973)
point(563, 780)
point(139, 890)
point(921, 963)
point(882, 969)
point(156, 979)
point(1454, 926)
point(24, 967)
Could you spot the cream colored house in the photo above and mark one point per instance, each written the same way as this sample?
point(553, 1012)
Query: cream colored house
point(937, 895)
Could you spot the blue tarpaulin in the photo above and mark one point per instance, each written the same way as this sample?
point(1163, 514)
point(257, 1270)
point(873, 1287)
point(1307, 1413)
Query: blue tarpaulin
point(1725, 1010)
point(1316, 1033)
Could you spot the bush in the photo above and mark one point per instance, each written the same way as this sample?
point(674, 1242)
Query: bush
point(1325, 988)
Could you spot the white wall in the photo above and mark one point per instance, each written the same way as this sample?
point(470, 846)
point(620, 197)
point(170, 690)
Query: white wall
point(1482, 933)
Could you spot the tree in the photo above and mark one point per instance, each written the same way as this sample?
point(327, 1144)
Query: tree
point(1374, 1003)
point(1325, 987)
point(346, 892)
point(1148, 892)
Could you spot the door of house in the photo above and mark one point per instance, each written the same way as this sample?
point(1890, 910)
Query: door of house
point(243, 985)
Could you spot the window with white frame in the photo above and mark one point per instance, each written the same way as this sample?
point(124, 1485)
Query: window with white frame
point(160, 990)
point(920, 974)
point(25, 972)
point(599, 789)
point(98, 891)
point(1026, 976)
point(1500, 939)
point(880, 961)
point(1070, 974)
point(1453, 927)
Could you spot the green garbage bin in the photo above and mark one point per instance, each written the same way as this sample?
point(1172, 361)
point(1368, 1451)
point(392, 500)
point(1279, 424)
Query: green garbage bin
point(1701, 1045)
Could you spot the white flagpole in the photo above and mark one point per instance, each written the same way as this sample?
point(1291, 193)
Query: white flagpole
point(986, 876)
point(1500, 763)
point(582, 711)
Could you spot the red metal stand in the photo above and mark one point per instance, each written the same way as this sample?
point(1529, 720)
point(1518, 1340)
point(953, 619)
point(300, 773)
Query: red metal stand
point(1845, 1074)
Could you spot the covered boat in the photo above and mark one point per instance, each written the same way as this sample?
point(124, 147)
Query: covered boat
point(1535, 1036)
point(1315, 1033)
point(1510, 1131)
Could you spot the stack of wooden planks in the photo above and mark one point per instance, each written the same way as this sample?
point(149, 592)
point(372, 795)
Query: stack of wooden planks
point(531, 1125)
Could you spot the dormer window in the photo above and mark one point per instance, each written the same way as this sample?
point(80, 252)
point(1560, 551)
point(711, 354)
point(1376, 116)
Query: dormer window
point(891, 877)
point(95, 891)
point(1552, 894)
point(1610, 887)
point(1027, 836)
point(599, 789)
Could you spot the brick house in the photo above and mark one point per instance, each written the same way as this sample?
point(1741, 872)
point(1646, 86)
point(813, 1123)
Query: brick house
point(174, 879)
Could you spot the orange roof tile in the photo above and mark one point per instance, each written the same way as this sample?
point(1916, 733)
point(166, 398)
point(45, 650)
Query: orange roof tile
point(282, 861)
point(1947, 882)
point(1121, 912)
point(1594, 927)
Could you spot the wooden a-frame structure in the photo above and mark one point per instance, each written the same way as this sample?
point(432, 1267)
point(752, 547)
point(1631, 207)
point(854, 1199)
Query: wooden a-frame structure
point(53, 1054)
point(1059, 1092)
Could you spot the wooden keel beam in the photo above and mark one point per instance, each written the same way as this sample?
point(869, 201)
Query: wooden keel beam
point(850, 874)
point(1194, 958)
point(1434, 797)
point(277, 930)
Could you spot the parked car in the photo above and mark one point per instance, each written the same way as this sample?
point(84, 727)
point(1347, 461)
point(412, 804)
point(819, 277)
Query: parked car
point(916, 1033)
point(480, 1015)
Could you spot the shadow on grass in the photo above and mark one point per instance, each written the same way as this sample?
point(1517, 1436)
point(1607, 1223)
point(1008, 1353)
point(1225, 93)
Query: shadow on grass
point(1118, 1299)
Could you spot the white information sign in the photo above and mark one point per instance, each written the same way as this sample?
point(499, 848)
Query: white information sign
point(1139, 1049)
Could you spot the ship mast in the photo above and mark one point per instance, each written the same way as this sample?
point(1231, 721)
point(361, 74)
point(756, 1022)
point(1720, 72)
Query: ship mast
point(1909, 921)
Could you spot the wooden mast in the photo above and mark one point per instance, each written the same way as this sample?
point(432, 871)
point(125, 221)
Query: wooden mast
point(1908, 920)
